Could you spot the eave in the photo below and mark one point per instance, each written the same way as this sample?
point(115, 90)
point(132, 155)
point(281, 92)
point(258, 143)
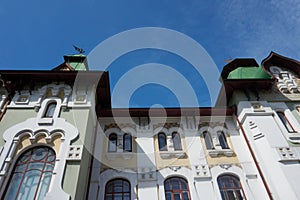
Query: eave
point(14, 80)
point(162, 112)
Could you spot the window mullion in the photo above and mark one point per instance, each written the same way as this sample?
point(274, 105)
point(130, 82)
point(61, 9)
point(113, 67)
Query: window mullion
point(41, 175)
point(24, 172)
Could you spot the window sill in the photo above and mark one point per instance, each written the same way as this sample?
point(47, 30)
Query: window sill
point(294, 137)
point(45, 121)
point(116, 155)
point(173, 154)
point(217, 152)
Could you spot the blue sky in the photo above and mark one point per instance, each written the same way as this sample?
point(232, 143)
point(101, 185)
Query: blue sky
point(35, 35)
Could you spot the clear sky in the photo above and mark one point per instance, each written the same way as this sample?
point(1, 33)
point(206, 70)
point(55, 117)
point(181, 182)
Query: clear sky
point(36, 34)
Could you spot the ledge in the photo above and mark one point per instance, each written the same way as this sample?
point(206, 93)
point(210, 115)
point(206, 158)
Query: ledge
point(216, 152)
point(115, 155)
point(172, 154)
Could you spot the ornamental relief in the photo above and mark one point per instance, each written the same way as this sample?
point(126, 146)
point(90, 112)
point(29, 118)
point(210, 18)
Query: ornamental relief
point(287, 81)
point(119, 126)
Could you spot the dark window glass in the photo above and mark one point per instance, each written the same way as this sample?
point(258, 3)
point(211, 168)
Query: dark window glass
point(50, 110)
point(222, 140)
point(117, 189)
point(176, 141)
point(31, 176)
point(127, 142)
point(285, 122)
point(112, 144)
point(162, 142)
point(230, 188)
point(208, 140)
point(176, 188)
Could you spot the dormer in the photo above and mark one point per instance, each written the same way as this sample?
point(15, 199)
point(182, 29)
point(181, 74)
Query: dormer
point(286, 71)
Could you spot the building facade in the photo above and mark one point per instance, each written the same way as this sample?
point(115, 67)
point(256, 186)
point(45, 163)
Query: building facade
point(61, 139)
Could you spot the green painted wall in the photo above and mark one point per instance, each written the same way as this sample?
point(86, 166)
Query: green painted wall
point(77, 173)
point(12, 117)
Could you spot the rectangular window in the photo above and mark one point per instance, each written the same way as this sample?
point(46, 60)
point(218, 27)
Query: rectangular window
point(285, 122)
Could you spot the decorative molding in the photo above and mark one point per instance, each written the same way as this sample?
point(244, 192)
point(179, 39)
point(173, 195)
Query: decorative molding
point(13, 135)
point(202, 172)
point(74, 152)
point(147, 174)
point(172, 154)
point(119, 126)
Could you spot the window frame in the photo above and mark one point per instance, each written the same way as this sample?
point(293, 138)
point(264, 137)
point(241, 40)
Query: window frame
point(50, 110)
point(208, 140)
point(126, 140)
point(113, 192)
point(30, 160)
point(110, 143)
point(285, 121)
point(177, 143)
point(168, 189)
point(226, 191)
point(162, 140)
point(222, 140)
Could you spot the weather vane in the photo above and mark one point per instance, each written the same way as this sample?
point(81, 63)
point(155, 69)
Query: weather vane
point(80, 50)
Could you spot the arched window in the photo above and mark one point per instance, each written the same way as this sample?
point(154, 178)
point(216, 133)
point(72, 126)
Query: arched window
point(31, 176)
point(176, 141)
point(127, 142)
point(176, 188)
point(50, 110)
point(222, 140)
point(208, 140)
point(117, 189)
point(162, 142)
point(230, 187)
point(112, 144)
point(285, 122)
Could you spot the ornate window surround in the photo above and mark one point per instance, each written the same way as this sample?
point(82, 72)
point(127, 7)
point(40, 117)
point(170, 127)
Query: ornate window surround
point(44, 106)
point(219, 170)
point(13, 135)
point(285, 80)
point(120, 152)
point(171, 152)
point(217, 148)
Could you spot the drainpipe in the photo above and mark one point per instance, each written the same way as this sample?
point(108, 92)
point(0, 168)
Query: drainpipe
point(253, 155)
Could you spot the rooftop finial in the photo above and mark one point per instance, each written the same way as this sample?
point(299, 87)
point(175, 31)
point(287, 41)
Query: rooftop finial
point(80, 50)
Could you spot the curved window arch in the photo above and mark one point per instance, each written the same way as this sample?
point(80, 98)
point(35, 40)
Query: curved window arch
point(162, 142)
point(31, 176)
point(112, 143)
point(176, 188)
point(222, 140)
point(49, 113)
point(117, 189)
point(127, 142)
point(208, 140)
point(230, 187)
point(176, 141)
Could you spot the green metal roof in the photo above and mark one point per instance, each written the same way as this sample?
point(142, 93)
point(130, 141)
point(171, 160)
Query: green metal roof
point(248, 73)
point(77, 66)
point(77, 61)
